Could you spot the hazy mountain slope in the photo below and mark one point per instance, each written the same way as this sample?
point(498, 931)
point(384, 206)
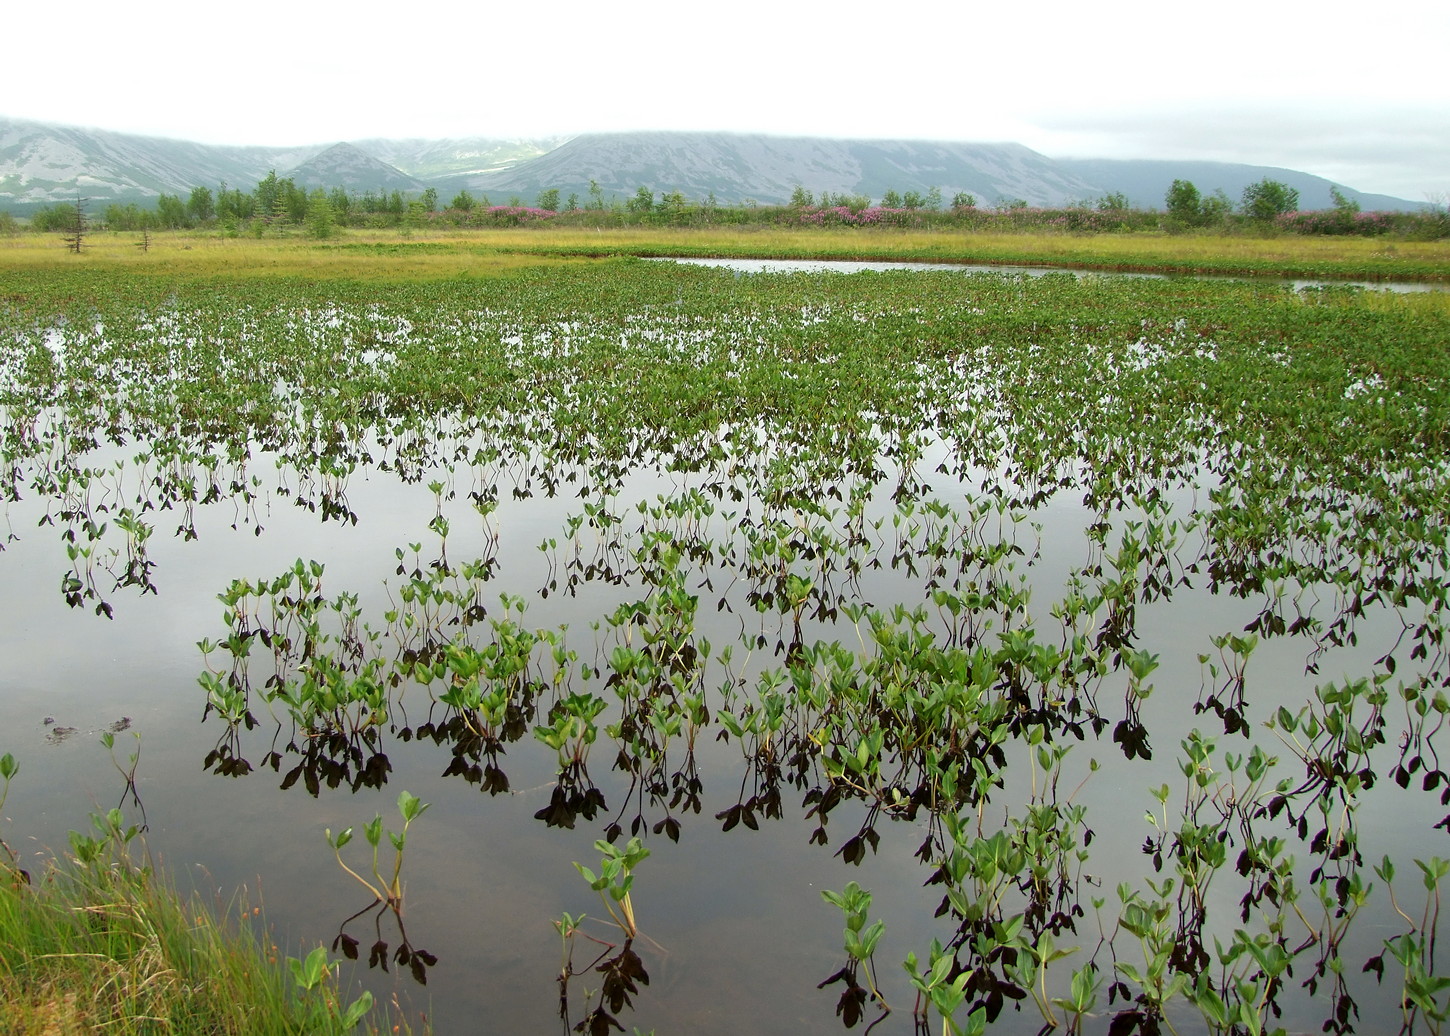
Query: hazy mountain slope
point(40, 162)
point(734, 167)
point(430, 160)
point(1145, 181)
point(992, 173)
point(346, 166)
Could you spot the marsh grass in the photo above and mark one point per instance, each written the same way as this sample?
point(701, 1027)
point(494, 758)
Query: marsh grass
point(200, 257)
point(1149, 253)
point(394, 256)
point(111, 948)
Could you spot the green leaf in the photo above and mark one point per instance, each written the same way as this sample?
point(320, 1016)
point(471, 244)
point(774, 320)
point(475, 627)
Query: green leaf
point(357, 1010)
point(410, 806)
point(311, 973)
point(871, 937)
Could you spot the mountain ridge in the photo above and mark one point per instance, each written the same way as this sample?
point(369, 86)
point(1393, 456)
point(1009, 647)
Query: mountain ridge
point(43, 163)
point(765, 168)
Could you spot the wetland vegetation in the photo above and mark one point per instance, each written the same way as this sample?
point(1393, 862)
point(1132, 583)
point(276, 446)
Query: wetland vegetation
point(944, 652)
point(100, 943)
point(382, 256)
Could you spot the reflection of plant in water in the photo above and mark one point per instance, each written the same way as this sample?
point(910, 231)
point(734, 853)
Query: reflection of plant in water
point(226, 757)
point(620, 974)
point(645, 758)
point(127, 771)
point(574, 795)
point(881, 466)
point(416, 960)
point(336, 759)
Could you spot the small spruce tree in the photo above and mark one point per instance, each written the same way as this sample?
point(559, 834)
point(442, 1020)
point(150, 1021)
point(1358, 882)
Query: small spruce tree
point(76, 232)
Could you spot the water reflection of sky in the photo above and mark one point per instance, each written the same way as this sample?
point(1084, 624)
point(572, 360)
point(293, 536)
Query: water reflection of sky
point(857, 266)
point(737, 917)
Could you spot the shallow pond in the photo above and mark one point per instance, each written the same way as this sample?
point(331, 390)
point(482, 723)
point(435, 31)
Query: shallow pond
point(994, 632)
point(860, 266)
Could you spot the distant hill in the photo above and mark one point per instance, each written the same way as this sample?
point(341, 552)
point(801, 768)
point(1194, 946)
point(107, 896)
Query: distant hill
point(42, 163)
point(736, 167)
point(348, 167)
point(1145, 182)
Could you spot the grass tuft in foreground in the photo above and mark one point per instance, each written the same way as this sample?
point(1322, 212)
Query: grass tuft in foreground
point(97, 943)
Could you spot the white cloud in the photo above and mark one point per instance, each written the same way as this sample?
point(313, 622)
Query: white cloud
point(1403, 151)
point(1282, 83)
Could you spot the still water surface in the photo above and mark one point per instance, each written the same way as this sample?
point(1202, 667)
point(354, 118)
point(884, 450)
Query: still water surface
point(736, 935)
point(855, 266)
point(742, 935)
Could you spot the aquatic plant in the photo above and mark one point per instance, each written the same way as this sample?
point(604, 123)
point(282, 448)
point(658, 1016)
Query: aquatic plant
point(860, 941)
point(8, 769)
point(915, 563)
point(388, 889)
point(615, 880)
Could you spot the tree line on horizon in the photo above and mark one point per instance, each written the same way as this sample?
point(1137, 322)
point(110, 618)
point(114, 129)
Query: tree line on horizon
point(280, 202)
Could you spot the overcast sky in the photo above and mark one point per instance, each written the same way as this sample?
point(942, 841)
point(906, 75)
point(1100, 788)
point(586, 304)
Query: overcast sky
point(1360, 96)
